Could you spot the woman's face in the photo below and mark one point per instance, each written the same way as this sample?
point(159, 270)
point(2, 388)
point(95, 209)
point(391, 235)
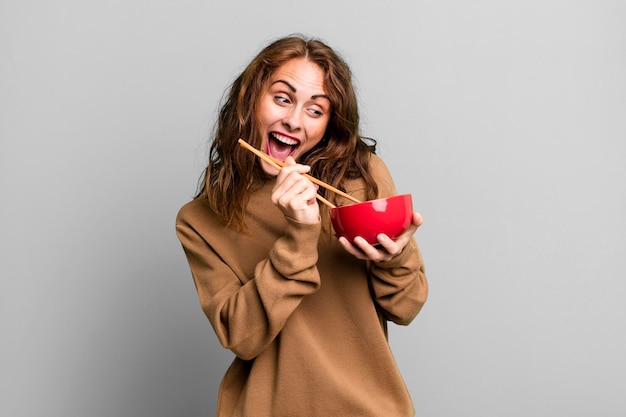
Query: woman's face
point(293, 110)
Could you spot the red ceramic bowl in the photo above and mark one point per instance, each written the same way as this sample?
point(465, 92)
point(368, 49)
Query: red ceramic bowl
point(368, 219)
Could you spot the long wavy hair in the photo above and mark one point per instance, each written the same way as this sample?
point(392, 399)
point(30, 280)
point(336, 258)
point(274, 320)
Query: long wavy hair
point(342, 153)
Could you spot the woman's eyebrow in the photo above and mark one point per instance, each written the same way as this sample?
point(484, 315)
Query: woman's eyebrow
point(293, 90)
point(320, 96)
point(291, 87)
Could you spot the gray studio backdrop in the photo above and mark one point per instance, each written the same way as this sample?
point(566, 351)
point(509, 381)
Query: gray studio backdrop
point(505, 120)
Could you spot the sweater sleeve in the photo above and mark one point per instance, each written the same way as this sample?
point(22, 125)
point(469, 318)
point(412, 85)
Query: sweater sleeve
point(399, 286)
point(248, 314)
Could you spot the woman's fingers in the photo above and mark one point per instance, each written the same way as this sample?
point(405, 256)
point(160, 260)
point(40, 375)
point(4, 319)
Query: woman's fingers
point(294, 194)
point(361, 249)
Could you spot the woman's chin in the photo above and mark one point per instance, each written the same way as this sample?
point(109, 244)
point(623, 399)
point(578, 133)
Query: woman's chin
point(269, 169)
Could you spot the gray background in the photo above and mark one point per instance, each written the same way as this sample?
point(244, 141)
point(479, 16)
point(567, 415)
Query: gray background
point(505, 120)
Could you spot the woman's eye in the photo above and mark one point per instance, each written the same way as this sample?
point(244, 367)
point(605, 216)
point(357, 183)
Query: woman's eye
point(316, 112)
point(281, 99)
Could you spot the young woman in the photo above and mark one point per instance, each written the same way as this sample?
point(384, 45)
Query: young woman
point(305, 313)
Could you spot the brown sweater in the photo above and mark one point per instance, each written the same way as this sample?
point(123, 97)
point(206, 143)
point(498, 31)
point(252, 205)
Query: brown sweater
point(305, 319)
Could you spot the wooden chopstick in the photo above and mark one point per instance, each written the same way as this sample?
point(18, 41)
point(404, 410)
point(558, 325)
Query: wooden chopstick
point(278, 164)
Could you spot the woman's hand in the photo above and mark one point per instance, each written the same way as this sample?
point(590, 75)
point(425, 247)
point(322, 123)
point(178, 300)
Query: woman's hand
point(294, 194)
point(386, 248)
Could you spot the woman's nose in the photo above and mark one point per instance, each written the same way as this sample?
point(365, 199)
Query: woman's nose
point(292, 119)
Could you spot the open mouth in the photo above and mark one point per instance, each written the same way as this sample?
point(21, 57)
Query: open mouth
point(280, 146)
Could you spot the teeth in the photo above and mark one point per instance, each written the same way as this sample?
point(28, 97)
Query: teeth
point(285, 139)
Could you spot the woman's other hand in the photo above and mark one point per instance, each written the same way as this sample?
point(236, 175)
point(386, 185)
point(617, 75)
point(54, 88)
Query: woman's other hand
point(294, 194)
point(386, 248)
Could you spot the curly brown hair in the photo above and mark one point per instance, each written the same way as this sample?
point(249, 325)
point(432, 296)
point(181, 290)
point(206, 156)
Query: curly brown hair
point(342, 153)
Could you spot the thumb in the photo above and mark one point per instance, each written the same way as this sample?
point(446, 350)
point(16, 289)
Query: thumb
point(417, 219)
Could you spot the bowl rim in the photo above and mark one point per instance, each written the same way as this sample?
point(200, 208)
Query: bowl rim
point(374, 200)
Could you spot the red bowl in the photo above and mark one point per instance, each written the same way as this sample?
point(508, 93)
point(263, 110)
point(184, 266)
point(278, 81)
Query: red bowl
point(368, 219)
